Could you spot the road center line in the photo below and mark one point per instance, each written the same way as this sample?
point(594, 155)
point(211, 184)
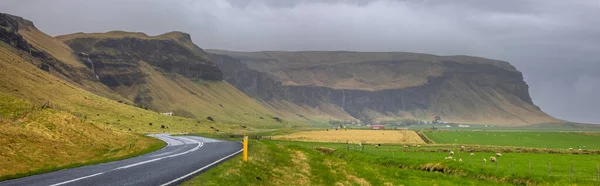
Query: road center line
point(200, 144)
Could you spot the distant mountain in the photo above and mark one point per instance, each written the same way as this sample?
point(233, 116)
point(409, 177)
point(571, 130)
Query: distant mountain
point(385, 86)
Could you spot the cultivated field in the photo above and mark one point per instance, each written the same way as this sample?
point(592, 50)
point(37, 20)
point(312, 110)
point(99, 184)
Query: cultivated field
point(356, 136)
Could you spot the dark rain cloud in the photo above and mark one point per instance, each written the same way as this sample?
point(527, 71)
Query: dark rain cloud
point(556, 43)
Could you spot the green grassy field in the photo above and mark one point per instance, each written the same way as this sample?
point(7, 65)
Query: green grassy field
point(560, 140)
point(272, 161)
point(524, 162)
point(293, 163)
point(552, 127)
point(511, 164)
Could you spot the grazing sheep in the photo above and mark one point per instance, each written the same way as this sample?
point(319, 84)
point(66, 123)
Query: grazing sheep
point(451, 153)
point(472, 154)
point(462, 147)
point(498, 154)
point(414, 145)
point(418, 146)
point(492, 159)
point(460, 160)
point(406, 146)
point(448, 158)
point(484, 160)
point(570, 149)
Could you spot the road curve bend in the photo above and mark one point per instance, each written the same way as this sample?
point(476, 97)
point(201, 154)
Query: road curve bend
point(183, 157)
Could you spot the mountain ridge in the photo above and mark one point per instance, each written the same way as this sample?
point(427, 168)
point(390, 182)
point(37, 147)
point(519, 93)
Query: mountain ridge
point(379, 86)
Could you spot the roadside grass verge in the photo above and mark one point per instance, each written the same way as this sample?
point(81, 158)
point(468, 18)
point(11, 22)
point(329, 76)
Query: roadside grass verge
point(42, 140)
point(156, 145)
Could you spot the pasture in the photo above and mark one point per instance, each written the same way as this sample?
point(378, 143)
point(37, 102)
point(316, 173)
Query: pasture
point(560, 140)
point(527, 158)
point(355, 136)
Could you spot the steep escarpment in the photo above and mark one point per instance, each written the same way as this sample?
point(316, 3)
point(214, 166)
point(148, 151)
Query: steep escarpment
point(117, 49)
point(389, 86)
point(283, 100)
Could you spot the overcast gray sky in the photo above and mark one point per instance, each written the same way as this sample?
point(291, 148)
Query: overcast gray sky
point(555, 43)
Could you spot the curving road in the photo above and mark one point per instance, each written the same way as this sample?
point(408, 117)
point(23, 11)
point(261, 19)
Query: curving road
point(183, 157)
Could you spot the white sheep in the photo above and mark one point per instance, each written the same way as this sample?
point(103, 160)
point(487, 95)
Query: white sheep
point(484, 160)
point(570, 149)
point(462, 147)
point(498, 154)
point(418, 146)
point(451, 153)
point(472, 154)
point(460, 160)
point(492, 159)
point(448, 158)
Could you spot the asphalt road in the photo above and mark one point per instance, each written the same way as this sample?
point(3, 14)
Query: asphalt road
point(183, 157)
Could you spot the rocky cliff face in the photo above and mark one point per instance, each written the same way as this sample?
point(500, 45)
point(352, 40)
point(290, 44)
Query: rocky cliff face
point(168, 54)
point(387, 86)
point(119, 59)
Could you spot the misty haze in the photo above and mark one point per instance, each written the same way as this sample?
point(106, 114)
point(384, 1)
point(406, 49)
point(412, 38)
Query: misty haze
point(299, 92)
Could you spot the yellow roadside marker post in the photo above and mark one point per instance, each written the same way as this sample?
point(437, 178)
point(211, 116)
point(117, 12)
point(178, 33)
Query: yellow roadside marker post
point(245, 148)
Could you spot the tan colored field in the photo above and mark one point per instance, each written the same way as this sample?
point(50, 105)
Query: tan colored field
point(355, 136)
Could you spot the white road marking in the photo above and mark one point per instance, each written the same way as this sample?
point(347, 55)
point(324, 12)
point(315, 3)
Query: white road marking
point(200, 144)
point(196, 171)
point(62, 183)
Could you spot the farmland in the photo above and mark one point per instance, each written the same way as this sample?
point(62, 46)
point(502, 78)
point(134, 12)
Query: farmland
point(561, 140)
point(528, 158)
point(355, 136)
point(300, 163)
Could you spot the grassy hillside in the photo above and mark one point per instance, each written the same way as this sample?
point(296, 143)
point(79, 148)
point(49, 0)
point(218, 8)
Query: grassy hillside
point(38, 140)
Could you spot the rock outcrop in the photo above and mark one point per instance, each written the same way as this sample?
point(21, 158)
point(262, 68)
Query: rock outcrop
point(122, 50)
point(24, 36)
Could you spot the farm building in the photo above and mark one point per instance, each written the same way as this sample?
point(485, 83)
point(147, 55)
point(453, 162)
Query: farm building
point(377, 127)
point(167, 113)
